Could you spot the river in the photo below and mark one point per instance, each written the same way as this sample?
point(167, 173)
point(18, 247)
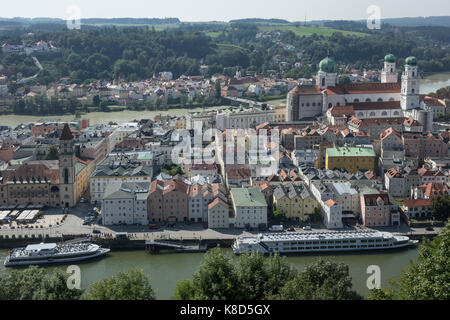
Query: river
point(429, 84)
point(165, 270)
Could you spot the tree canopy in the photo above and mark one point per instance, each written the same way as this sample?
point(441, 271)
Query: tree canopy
point(428, 279)
point(255, 277)
point(131, 285)
point(36, 283)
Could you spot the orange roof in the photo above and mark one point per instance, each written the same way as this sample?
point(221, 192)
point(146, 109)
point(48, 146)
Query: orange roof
point(416, 202)
point(360, 88)
point(331, 202)
point(217, 201)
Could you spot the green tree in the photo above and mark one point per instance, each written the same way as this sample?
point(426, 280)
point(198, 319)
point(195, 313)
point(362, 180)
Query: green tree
point(96, 101)
point(324, 279)
point(36, 283)
point(218, 90)
point(279, 214)
point(316, 215)
point(12, 87)
point(440, 207)
point(429, 278)
point(216, 279)
point(52, 154)
point(131, 285)
point(262, 277)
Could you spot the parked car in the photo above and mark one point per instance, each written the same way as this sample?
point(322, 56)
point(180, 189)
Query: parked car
point(96, 231)
point(429, 228)
point(307, 228)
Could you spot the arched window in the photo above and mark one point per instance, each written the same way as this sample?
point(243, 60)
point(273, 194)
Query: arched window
point(414, 74)
point(412, 90)
point(313, 104)
point(391, 99)
point(66, 176)
point(360, 114)
point(338, 104)
point(323, 82)
point(368, 100)
point(356, 100)
point(384, 113)
point(380, 100)
point(395, 113)
point(330, 105)
point(372, 114)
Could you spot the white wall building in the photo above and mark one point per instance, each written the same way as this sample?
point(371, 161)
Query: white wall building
point(125, 203)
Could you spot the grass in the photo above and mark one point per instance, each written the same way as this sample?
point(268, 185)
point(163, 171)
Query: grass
point(214, 34)
point(307, 31)
point(230, 47)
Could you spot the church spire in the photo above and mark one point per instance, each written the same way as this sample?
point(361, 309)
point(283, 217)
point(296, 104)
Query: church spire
point(66, 133)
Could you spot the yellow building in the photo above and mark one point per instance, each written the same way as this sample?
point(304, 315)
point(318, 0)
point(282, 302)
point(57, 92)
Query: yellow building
point(83, 170)
point(295, 201)
point(280, 113)
point(350, 159)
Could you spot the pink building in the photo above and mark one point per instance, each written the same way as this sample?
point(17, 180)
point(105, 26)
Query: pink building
point(424, 145)
point(375, 210)
point(168, 200)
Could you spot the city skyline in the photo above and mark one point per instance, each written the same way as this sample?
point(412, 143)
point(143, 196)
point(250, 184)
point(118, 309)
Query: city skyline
point(225, 11)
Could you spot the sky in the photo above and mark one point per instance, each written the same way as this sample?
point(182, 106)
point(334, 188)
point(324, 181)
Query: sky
point(224, 10)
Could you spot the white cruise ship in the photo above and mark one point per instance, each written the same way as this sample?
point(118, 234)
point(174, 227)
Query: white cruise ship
point(312, 242)
point(48, 253)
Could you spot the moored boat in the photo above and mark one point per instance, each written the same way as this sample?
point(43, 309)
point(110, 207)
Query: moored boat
point(52, 253)
point(315, 242)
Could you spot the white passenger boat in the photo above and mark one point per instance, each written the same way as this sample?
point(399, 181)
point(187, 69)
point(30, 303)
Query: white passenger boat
point(52, 253)
point(315, 242)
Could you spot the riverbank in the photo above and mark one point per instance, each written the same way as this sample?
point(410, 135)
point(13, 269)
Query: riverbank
point(166, 270)
point(428, 84)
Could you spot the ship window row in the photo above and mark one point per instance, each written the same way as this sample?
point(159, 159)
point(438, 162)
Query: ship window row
point(334, 247)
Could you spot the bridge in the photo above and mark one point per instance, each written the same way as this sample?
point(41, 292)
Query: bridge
point(156, 246)
point(245, 102)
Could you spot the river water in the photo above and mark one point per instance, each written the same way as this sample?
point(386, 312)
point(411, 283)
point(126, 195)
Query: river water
point(165, 270)
point(429, 84)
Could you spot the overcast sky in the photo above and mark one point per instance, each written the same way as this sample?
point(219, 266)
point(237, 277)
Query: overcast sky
point(225, 10)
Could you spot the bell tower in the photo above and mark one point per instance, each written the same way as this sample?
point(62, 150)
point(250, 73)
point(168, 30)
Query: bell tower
point(389, 72)
point(327, 75)
point(409, 98)
point(66, 168)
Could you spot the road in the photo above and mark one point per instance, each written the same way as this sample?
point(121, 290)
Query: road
point(73, 225)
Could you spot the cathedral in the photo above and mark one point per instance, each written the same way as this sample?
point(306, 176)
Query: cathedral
point(50, 183)
point(385, 99)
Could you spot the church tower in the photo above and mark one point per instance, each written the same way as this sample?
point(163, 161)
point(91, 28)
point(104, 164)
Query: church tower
point(409, 98)
point(327, 75)
point(389, 72)
point(66, 168)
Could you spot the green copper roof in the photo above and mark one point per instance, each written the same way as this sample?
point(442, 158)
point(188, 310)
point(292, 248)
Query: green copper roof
point(411, 61)
point(390, 58)
point(248, 197)
point(328, 65)
point(350, 152)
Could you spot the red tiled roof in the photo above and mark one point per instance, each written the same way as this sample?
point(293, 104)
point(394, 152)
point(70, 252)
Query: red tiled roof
point(388, 131)
point(359, 88)
point(416, 202)
point(217, 201)
point(342, 110)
